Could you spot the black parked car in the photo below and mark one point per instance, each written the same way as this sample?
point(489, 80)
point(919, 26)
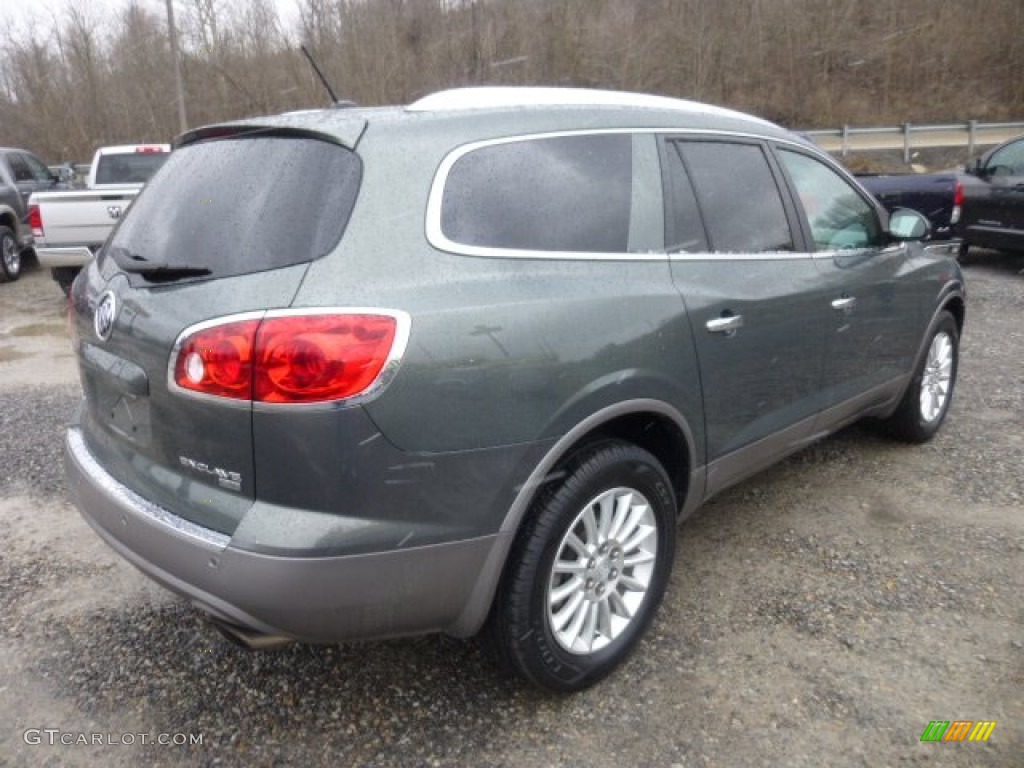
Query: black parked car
point(21, 174)
point(993, 199)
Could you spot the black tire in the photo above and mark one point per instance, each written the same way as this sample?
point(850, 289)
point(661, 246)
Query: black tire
point(10, 256)
point(522, 626)
point(918, 418)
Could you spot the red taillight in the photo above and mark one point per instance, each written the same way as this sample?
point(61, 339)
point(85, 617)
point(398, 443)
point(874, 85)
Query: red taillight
point(288, 358)
point(217, 360)
point(35, 220)
point(149, 150)
point(958, 201)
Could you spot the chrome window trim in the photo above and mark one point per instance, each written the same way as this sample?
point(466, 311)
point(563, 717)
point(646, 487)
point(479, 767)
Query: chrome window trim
point(387, 373)
point(436, 237)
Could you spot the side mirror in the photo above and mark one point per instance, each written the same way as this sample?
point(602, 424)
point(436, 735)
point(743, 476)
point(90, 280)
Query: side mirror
point(906, 224)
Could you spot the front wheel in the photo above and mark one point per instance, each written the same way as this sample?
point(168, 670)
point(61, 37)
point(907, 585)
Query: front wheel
point(10, 256)
point(927, 399)
point(588, 570)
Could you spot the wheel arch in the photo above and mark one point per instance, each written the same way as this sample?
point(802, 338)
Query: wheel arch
point(653, 425)
point(9, 219)
point(955, 306)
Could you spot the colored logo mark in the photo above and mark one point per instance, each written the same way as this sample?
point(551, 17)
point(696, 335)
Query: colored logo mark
point(958, 730)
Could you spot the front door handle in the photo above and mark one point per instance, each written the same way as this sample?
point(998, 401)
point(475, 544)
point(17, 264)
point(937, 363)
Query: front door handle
point(728, 324)
point(844, 303)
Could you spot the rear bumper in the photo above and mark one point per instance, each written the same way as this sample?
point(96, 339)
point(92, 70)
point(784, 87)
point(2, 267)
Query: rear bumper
point(69, 256)
point(315, 599)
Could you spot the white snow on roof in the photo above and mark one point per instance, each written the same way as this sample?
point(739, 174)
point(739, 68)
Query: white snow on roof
point(513, 96)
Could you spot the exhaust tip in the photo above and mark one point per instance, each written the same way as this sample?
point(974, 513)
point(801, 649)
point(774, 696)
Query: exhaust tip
point(250, 639)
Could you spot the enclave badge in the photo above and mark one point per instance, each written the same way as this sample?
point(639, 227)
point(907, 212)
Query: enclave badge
point(103, 318)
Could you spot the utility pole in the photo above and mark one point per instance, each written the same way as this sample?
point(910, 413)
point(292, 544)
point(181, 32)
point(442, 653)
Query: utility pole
point(175, 53)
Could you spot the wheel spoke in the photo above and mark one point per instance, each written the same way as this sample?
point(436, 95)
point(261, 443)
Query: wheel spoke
point(590, 526)
point(634, 520)
point(573, 541)
point(561, 592)
point(632, 584)
point(638, 558)
point(576, 625)
point(618, 606)
point(570, 566)
point(604, 619)
point(607, 505)
point(641, 534)
point(622, 507)
point(564, 616)
point(590, 626)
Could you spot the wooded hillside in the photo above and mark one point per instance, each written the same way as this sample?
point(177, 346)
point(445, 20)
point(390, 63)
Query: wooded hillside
point(85, 80)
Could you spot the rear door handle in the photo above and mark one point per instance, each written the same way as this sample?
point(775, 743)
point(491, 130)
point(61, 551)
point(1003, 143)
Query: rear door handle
point(727, 324)
point(844, 303)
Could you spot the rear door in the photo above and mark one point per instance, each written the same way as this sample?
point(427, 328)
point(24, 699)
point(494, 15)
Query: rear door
point(752, 295)
point(227, 228)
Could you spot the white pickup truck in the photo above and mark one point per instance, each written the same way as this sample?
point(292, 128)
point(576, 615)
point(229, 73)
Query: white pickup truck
point(69, 227)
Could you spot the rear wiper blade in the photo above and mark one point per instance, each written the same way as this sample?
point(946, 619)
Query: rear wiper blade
point(156, 273)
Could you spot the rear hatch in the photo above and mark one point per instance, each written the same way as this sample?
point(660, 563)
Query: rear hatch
point(228, 226)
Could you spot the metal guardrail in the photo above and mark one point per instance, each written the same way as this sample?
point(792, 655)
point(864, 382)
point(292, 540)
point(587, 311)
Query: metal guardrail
point(909, 136)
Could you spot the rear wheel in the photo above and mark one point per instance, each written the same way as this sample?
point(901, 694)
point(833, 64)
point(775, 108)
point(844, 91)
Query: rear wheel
point(10, 256)
point(927, 399)
point(588, 570)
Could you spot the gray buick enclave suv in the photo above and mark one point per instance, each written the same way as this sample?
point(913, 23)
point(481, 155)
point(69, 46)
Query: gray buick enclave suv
point(465, 364)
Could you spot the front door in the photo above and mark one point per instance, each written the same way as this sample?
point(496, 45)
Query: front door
point(871, 323)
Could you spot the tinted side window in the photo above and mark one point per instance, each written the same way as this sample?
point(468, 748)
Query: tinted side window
point(686, 230)
point(1009, 160)
point(36, 168)
point(241, 205)
point(19, 169)
point(839, 217)
point(569, 193)
point(738, 197)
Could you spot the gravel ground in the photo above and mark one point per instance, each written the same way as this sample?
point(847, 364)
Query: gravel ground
point(821, 613)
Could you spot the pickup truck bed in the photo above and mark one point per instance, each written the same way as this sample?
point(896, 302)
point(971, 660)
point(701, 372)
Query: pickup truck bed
point(983, 204)
point(936, 195)
point(69, 227)
point(75, 224)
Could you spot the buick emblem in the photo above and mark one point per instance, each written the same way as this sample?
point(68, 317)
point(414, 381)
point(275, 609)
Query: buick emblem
point(114, 211)
point(103, 319)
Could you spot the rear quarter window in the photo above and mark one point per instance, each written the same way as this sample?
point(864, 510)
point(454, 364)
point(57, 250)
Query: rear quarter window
point(596, 193)
point(241, 205)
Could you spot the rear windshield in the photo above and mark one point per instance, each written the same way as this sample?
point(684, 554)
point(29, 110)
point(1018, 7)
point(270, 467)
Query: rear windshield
point(127, 168)
point(239, 205)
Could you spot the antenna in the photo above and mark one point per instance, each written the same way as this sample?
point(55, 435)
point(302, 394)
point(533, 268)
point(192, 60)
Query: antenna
point(312, 63)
